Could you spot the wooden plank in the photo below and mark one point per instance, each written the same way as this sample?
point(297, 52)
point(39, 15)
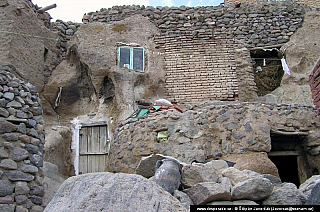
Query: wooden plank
point(90, 162)
point(102, 148)
point(94, 153)
point(83, 148)
point(95, 148)
point(284, 153)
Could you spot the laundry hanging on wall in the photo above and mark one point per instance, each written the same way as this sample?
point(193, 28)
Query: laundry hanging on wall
point(285, 66)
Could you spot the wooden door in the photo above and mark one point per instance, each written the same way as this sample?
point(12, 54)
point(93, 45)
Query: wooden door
point(93, 149)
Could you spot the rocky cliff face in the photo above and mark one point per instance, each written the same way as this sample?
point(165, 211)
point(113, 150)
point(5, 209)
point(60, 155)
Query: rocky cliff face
point(27, 43)
point(301, 53)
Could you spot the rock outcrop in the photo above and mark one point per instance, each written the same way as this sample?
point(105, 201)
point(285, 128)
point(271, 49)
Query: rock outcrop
point(22, 30)
point(301, 53)
point(112, 192)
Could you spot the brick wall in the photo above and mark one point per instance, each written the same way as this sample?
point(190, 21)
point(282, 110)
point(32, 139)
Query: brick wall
point(199, 69)
point(314, 81)
point(313, 3)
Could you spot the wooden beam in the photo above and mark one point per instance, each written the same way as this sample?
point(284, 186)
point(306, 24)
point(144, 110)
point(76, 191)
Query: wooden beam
point(100, 123)
point(44, 9)
point(265, 47)
point(93, 153)
point(289, 133)
point(284, 153)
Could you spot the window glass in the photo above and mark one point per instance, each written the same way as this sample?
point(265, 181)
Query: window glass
point(124, 57)
point(138, 59)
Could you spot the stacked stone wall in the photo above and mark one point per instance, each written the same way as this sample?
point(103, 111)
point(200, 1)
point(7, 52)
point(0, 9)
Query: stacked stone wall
point(262, 24)
point(21, 144)
point(209, 132)
point(312, 3)
point(200, 44)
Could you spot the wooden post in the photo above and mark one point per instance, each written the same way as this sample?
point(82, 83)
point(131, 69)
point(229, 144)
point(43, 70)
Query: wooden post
point(44, 9)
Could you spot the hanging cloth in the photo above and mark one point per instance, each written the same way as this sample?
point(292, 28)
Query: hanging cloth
point(285, 66)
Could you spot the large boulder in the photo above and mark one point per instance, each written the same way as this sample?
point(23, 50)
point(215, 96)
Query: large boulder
point(146, 166)
point(197, 172)
point(206, 192)
point(314, 198)
point(112, 192)
point(236, 176)
point(254, 161)
point(287, 194)
point(52, 181)
point(252, 189)
point(237, 202)
point(183, 198)
point(308, 185)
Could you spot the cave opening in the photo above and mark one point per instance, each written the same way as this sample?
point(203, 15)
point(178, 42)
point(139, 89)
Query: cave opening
point(289, 157)
point(268, 71)
point(107, 89)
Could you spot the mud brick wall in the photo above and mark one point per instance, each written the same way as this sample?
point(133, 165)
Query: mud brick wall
point(314, 82)
point(21, 144)
point(199, 67)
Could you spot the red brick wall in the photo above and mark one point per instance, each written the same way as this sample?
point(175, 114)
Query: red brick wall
point(313, 3)
point(314, 81)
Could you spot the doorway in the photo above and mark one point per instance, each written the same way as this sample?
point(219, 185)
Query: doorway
point(290, 159)
point(94, 148)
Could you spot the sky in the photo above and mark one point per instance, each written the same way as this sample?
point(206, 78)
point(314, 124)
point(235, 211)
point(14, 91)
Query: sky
point(73, 10)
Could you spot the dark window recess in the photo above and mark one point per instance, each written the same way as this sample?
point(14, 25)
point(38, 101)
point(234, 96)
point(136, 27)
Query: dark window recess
point(268, 71)
point(45, 54)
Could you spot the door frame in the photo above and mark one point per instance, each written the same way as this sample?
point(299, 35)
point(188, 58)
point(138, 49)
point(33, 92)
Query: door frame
point(76, 138)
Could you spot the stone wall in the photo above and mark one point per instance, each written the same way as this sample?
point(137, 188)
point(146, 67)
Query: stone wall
point(200, 44)
point(314, 82)
point(312, 3)
point(263, 24)
point(213, 131)
point(21, 144)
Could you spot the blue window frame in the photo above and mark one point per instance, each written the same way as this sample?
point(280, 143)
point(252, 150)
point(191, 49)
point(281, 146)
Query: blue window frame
point(131, 58)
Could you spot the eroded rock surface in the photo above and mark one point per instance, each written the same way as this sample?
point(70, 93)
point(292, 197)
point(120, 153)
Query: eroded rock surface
point(112, 192)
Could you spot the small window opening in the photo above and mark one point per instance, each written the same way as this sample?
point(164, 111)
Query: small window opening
point(268, 71)
point(131, 58)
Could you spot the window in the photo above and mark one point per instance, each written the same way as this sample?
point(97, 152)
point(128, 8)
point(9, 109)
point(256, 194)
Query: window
point(131, 58)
